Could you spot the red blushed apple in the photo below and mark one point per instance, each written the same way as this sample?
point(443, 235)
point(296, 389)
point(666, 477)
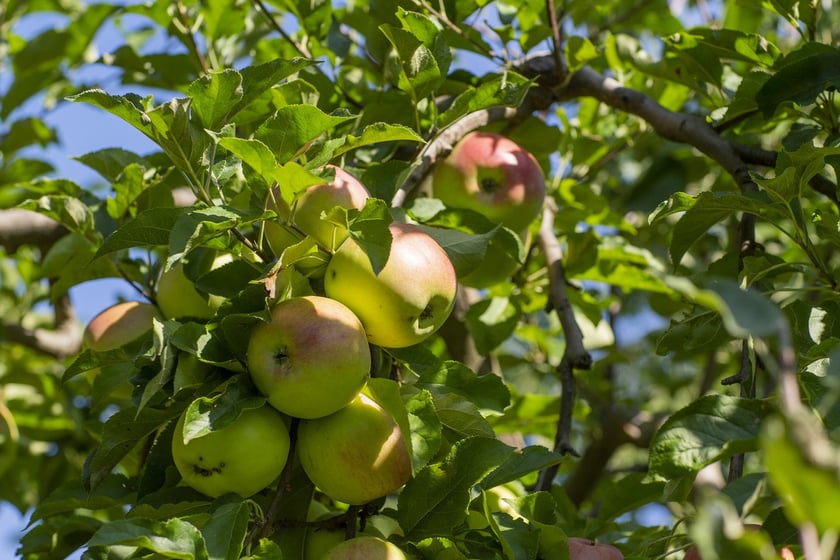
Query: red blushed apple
point(345, 191)
point(411, 296)
point(494, 176)
point(585, 549)
point(118, 325)
point(311, 359)
point(357, 454)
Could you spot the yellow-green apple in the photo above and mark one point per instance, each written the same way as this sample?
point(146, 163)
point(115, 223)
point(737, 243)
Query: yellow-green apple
point(311, 359)
point(498, 500)
point(9, 436)
point(321, 539)
point(178, 298)
point(366, 548)
point(585, 549)
point(494, 176)
point(118, 325)
point(243, 457)
point(355, 455)
point(411, 296)
point(308, 207)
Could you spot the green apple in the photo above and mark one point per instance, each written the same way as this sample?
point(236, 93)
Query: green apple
point(411, 296)
point(366, 548)
point(178, 298)
point(309, 206)
point(311, 359)
point(320, 540)
point(494, 176)
point(243, 457)
point(119, 325)
point(585, 549)
point(355, 455)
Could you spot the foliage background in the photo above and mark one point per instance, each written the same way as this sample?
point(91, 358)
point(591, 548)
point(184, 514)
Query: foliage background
point(612, 170)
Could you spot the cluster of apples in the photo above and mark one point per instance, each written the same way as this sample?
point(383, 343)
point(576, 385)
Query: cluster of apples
point(312, 359)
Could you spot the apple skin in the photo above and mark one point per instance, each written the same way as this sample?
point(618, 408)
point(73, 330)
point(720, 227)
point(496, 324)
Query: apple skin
point(355, 455)
point(366, 548)
point(345, 191)
point(243, 457)
point(408, 300)
point(118, 325)
point(312, 359)
point(494, 176)
point(585, 549)
point(320, 540)
point(178, 298)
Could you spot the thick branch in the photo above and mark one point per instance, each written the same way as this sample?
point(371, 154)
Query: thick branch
point(441, 145)
point(24, 227)
point(62, 341)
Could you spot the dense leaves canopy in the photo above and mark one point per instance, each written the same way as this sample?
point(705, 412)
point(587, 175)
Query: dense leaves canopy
point(660, 369)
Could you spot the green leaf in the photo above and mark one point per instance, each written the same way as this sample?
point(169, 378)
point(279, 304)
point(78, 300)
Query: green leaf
point(485, 391)
point(25, 132)
point(209, 414)
point(369, 228)
point(110, 162)
point(436, 499)
point(253, 153)
point(294, 127)
point(461, 417)
point(491, 322)
point(424, 427)
point(801, 81)
point(214, 96)
point(712, 428)
point(507, 90)
point(129, 185)
point(519, 538)
point(149, 229)
point(69, 211)
point(377, 133)
point(520, 463)
point(122, 432)
point(174, 538)
point(804, 468)
point(419, 72)
point(224, 534)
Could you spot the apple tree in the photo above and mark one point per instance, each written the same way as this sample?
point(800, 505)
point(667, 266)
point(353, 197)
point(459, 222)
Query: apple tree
point(461, 279)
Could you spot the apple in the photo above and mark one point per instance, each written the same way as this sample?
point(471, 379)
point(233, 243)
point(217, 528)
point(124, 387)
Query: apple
point(320, 540)
point(366, 548)
point(118, 325)
point(355, 455)
point(311, 359)
point(178, 298)
point(585, 549)
point(345, 191)
point(494, 176)
point(411, 296)
point(243, 457)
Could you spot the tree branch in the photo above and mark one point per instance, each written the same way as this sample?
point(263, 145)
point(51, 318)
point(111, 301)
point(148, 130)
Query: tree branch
point(24, 227)
point(62, 341)
point(575, 356)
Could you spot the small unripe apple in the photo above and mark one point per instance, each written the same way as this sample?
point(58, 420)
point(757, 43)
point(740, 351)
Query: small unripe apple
point(345, 191)
point(366, 548)
point(119, 325)
point(411, 296)
point(320, 540)
point(585, 549)
point(243, 457)
point(355, 455)
point(178, 298)
point(311, 359)
point(494, 176)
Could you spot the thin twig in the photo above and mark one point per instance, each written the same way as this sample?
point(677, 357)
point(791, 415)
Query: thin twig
point(188, 34)
point(557, 42)
point(300, 48)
